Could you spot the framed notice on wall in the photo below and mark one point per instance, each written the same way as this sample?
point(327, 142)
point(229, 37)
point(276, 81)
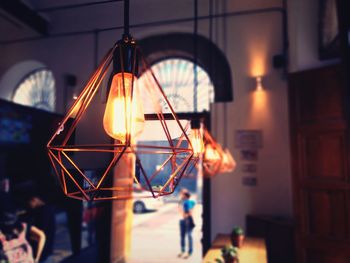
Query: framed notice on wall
point(249, 154)
point(249, 168)
point(248, 139)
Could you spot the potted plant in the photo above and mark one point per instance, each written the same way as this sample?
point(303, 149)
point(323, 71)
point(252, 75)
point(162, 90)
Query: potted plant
point(229, 255)
point(237, 237)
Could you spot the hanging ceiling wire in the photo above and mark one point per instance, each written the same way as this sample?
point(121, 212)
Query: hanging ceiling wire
point(195, 52)
point(126, 18)
point(66, 7)
point(215, 40)
point(210, 38)
point(151, 24)
point(224, 36)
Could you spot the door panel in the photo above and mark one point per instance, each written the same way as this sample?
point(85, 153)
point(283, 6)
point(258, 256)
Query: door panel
point(324, 155)
point(324, 257)
point(321, 185)
point(326, 214)
point(316, 100)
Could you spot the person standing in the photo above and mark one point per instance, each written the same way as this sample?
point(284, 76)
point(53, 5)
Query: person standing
point(186, 223)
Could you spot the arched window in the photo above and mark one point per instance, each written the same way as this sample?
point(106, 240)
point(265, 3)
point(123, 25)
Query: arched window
point(209, 57)
point(176, 76)
point(37, 89)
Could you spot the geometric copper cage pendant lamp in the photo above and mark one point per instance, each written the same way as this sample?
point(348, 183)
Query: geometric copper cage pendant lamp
point(212, 156)
point(208, 153)
point(215, 159)
point(134, 110)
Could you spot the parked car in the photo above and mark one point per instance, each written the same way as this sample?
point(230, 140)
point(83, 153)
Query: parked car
point(142, 205)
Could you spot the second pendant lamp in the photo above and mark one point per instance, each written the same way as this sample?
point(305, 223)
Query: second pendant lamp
point(215, 159)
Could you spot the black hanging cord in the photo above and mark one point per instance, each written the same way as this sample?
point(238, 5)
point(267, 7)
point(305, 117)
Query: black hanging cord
point(211, 3)
point(211, 8)
point(126, 18)
point(96, 33)
point(225, 49)
point(195, 52)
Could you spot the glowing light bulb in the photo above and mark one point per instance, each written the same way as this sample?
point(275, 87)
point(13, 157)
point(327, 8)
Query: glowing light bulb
point(228, 162)
point(197, 141)
point(259, 86)
point(124, 116)
point(211, 154)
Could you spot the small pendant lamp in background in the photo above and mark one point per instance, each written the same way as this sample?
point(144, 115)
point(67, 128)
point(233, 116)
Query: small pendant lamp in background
point(215, 159)
point(213, 155)
point(134, 112)
point(228, 163)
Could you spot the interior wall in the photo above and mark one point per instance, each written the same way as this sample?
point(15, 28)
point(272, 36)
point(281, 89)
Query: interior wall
point(250, 42)
point(303, 35)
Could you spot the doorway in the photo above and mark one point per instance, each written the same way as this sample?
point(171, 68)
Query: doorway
point(156, 230)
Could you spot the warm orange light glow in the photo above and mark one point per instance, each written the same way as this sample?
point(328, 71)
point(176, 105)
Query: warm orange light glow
point(124, 114)
point(258, 66)
point(197, 141)
point(228, 163)
point(259, 101)
point(260, 112)
point(211, 154)
point(258, 50)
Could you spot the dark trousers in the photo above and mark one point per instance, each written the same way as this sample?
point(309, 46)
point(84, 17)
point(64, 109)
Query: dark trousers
point(186, 230)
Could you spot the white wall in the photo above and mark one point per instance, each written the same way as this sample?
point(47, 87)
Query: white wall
point(251, 41)
point(303, 35)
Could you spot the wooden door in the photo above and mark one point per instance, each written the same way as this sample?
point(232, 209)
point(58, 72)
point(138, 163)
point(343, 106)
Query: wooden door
point(320, 147)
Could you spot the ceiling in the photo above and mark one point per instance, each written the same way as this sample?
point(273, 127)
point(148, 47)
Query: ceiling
point(67, 17)
point(84, 15)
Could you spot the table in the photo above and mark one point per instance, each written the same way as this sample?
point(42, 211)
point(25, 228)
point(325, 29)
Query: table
point(253, 250)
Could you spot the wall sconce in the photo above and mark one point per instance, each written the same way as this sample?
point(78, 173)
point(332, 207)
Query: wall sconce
point(259, 86)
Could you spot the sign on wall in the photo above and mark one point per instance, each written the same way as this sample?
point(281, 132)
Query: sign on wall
point(248, 139)
point(249, 142)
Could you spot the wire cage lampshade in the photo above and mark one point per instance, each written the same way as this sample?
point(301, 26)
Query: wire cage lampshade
point(195, 130)
point(213, 155)
point(228, 163)
point(216, 160)
point(133, 111)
